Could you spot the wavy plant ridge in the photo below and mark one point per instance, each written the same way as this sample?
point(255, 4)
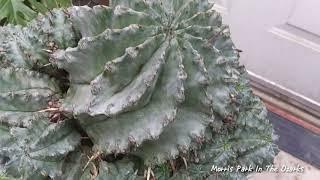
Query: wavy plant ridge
point(145, 81)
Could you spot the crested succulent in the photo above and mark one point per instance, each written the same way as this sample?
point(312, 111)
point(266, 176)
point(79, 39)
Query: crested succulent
point(140, 89)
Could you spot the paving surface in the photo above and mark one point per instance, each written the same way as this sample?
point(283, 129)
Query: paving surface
point(296, 140)
point(300, 155)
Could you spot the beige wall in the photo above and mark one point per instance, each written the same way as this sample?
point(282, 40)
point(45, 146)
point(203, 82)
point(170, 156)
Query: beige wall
point(280, 42)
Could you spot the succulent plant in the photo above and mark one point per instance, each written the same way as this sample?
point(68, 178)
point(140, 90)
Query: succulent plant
point(140, 89)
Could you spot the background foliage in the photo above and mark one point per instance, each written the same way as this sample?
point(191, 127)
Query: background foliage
point(22, 11)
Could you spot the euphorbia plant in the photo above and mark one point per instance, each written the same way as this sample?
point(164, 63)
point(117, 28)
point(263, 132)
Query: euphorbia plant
point(141, 89)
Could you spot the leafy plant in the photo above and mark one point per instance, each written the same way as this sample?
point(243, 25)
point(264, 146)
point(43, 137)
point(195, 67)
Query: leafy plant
point(23, 11)
point(141, 89)
point(3, 177)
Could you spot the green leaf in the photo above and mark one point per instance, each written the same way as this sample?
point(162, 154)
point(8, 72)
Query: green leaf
point(19, 12)
point(45, 5)
point(5, 177)
point(16, 12)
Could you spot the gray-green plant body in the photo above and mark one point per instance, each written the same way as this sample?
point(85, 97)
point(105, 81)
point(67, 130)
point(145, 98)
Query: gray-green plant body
point(149, 81)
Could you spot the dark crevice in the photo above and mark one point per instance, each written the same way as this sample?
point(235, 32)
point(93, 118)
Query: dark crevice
point(85, 139)
point(113, 157)
point(90, 3)
point(3, 21)
point(60, 75)
point(3, 160)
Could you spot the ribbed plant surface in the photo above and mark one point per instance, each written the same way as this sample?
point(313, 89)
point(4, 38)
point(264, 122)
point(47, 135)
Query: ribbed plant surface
point(144, 88)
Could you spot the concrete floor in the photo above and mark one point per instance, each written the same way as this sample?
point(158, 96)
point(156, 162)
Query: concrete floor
point(285, 159)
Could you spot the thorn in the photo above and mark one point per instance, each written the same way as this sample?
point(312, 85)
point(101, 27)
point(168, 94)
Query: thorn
point(49, 64)
point(132, 140)
point(50, 103)
point(145, 174)
point(48, 51)
point(49, 110)
point(92, 158)
point(66, 13)
point(50, 20)
point(239, 50)
point(152, 174)
point(49, 10)
point(214, 36)
point(55, 118)
point(94, 171)
point(44, 173)
point(233, 98)
point(196, 157)
point(172, 166)
point(148, 173)
point(185, 162)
